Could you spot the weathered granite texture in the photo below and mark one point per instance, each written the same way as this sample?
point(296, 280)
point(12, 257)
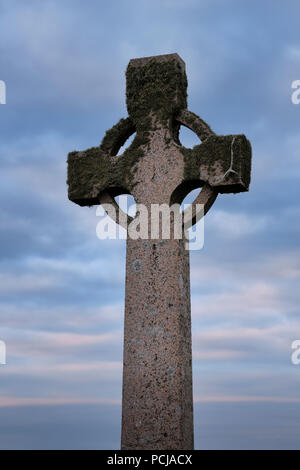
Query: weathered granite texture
point(156, 169)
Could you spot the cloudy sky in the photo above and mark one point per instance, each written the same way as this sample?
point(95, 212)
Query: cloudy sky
point(62, 289)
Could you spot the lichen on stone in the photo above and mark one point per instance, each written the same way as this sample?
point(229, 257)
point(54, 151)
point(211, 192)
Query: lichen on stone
point(195, 123)
point(156, 98)
point(210, 160)
point(117, 136)
point(94, 170)
point(88, 174)
point(155, 87)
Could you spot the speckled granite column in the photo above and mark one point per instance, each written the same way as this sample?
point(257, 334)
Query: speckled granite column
point(157, 376)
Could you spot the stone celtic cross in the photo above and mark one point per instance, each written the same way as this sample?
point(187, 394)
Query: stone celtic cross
point(157, 411)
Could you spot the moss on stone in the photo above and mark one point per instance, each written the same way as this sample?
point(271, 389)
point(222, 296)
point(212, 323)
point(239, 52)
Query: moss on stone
point(195, 123)
point(88, 174)
point(156, 88)
point(156, 91)
point(205, 155)
point(246, 151)
point(156, 94)
point(117, 136)
point(212, 158)
point(126, 165)
point(93, 171)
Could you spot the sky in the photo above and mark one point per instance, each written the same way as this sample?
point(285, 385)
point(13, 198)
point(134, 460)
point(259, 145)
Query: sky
point(62, 289)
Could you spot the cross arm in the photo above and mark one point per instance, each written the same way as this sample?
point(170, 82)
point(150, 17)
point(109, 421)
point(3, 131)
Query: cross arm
point(224, 162)
point(98, 169)
point(89, 173)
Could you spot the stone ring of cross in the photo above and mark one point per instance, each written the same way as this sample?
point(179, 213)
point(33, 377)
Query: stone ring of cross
point(156, 168)
point(125, 129)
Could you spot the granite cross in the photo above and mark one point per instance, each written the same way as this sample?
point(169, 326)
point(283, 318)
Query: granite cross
point(157, 402)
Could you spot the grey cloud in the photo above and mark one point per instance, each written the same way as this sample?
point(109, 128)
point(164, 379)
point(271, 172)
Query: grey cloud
point(64, 65)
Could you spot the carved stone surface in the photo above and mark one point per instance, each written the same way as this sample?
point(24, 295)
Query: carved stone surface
point(157, 169)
